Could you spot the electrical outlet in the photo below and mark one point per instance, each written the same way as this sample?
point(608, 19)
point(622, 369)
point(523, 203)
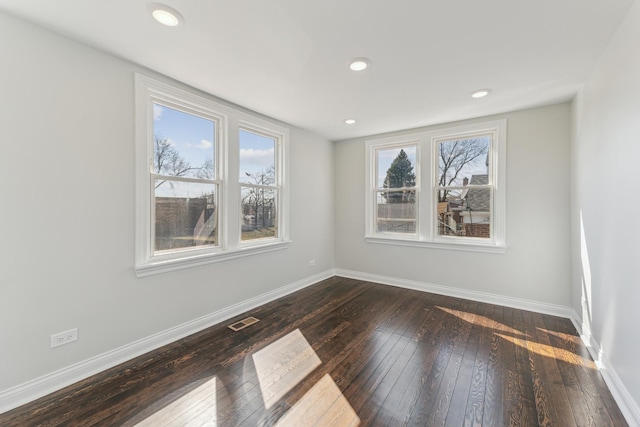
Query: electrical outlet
point(65, 337)
point(312, 262)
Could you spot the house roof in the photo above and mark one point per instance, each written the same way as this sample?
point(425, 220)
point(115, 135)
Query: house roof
point(479, 199)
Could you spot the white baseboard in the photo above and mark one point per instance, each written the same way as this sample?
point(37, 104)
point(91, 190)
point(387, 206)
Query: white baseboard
point(39, 387)
point(623, 398)
point(522, 304)
point(627, 404)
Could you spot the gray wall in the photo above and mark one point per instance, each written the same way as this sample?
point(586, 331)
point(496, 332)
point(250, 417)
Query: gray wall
point(606, 205)
point(67, 216)
point(536, 265)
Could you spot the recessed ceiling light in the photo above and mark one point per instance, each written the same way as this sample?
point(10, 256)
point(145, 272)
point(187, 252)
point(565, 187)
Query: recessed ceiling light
point(166, 15)
point(350, 121)
point(480, 93)
point(359, 64)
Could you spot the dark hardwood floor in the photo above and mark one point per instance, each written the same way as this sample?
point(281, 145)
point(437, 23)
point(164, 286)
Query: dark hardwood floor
point(347, 352)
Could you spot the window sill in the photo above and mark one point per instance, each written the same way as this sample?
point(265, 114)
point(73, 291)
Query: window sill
point(461, 246)
point(157, 267)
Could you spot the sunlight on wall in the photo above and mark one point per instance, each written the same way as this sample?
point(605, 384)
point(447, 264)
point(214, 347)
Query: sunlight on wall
point(283, 364)
point(322, 405)
point(585, 283)
point(198, 407)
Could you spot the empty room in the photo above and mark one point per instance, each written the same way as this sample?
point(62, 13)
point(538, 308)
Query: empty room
point(355, 213)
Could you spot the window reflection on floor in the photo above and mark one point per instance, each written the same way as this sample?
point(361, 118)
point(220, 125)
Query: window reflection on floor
point(279, 367)
point(283, 364)
point(322, 405)
point(197, 407)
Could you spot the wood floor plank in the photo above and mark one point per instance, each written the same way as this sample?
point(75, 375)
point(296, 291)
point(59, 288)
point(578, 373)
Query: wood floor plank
point(457, 413)
point(435, 404)
point(525, 413)
point(494, 395)
point(346, 352)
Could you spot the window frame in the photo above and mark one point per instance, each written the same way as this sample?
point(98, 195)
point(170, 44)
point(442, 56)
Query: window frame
point(218, 120)
point(372, 195)
point(226, 157)
point(279, 139)
point(426, 227)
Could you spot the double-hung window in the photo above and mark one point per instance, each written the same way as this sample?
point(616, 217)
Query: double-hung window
point(395, 190)
point(209, 180)
point(443, 188)
point(259, 183)
point(183, 177)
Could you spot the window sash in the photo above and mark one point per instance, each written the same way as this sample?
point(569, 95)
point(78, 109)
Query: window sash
point(259, 219)
point(445, 221)
point(197, 229)
point(399, 218)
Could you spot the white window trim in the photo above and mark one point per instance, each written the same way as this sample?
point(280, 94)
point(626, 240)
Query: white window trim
point(228, 121)
point(426, 232)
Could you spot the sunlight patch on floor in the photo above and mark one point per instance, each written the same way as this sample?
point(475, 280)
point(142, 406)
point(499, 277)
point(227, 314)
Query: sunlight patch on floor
point(283, 364)
point(481, 321)
point(323, 405)
point(550, 351)
point(196, 408)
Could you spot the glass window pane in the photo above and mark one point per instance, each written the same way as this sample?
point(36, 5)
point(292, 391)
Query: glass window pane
point(183, 143)
point(186, 215)
point(459, 160)
point(396, 214)
point(396, 167)
point(257, 158)
point(468, 215)
point(259, 213)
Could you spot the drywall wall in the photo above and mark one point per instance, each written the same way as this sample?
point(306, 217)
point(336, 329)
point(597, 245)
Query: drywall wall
point(67, 217)
point(536, 266)
point(605, 155)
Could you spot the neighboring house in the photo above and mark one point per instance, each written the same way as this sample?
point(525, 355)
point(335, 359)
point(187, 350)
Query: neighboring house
point(476, 208)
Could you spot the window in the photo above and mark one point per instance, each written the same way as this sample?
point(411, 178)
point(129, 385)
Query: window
point(396, 188)
point(184, 212)
point(192, 208)
point(259, 184)
point(462, 202)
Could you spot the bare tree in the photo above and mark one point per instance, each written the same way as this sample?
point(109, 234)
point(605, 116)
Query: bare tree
point(254, 198)
point(454, 156)
point(167, 161)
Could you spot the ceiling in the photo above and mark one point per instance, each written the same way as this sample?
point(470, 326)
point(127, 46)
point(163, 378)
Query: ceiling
point(288, 58)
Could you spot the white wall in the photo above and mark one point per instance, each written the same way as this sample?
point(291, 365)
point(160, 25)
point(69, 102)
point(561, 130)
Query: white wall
point(536, 266)
point(67, 213)
point(606, 207)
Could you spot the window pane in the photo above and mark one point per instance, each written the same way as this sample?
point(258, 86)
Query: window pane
point(257, 158)
point(186, 215)
point(468, 215)
point(396, 167)
point(396, 214)
point(183, 143)
point(459, 160)
point(259, 213)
